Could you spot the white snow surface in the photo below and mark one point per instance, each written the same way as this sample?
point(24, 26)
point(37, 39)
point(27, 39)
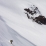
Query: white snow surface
point(7, 34)
point(12, 12)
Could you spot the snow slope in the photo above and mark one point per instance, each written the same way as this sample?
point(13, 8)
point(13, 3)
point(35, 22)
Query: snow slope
point(13, 13)
point(7, 34)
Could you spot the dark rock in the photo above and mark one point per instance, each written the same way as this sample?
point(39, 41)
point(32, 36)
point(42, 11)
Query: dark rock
point(40, 20)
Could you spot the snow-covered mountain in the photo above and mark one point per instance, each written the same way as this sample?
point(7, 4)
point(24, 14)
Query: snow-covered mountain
point(13, 14)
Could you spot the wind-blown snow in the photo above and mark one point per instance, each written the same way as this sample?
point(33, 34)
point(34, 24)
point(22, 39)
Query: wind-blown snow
point(13, 13)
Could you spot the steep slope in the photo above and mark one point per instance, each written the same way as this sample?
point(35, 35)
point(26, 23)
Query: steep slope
point(13, 13)
point(7, 34)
